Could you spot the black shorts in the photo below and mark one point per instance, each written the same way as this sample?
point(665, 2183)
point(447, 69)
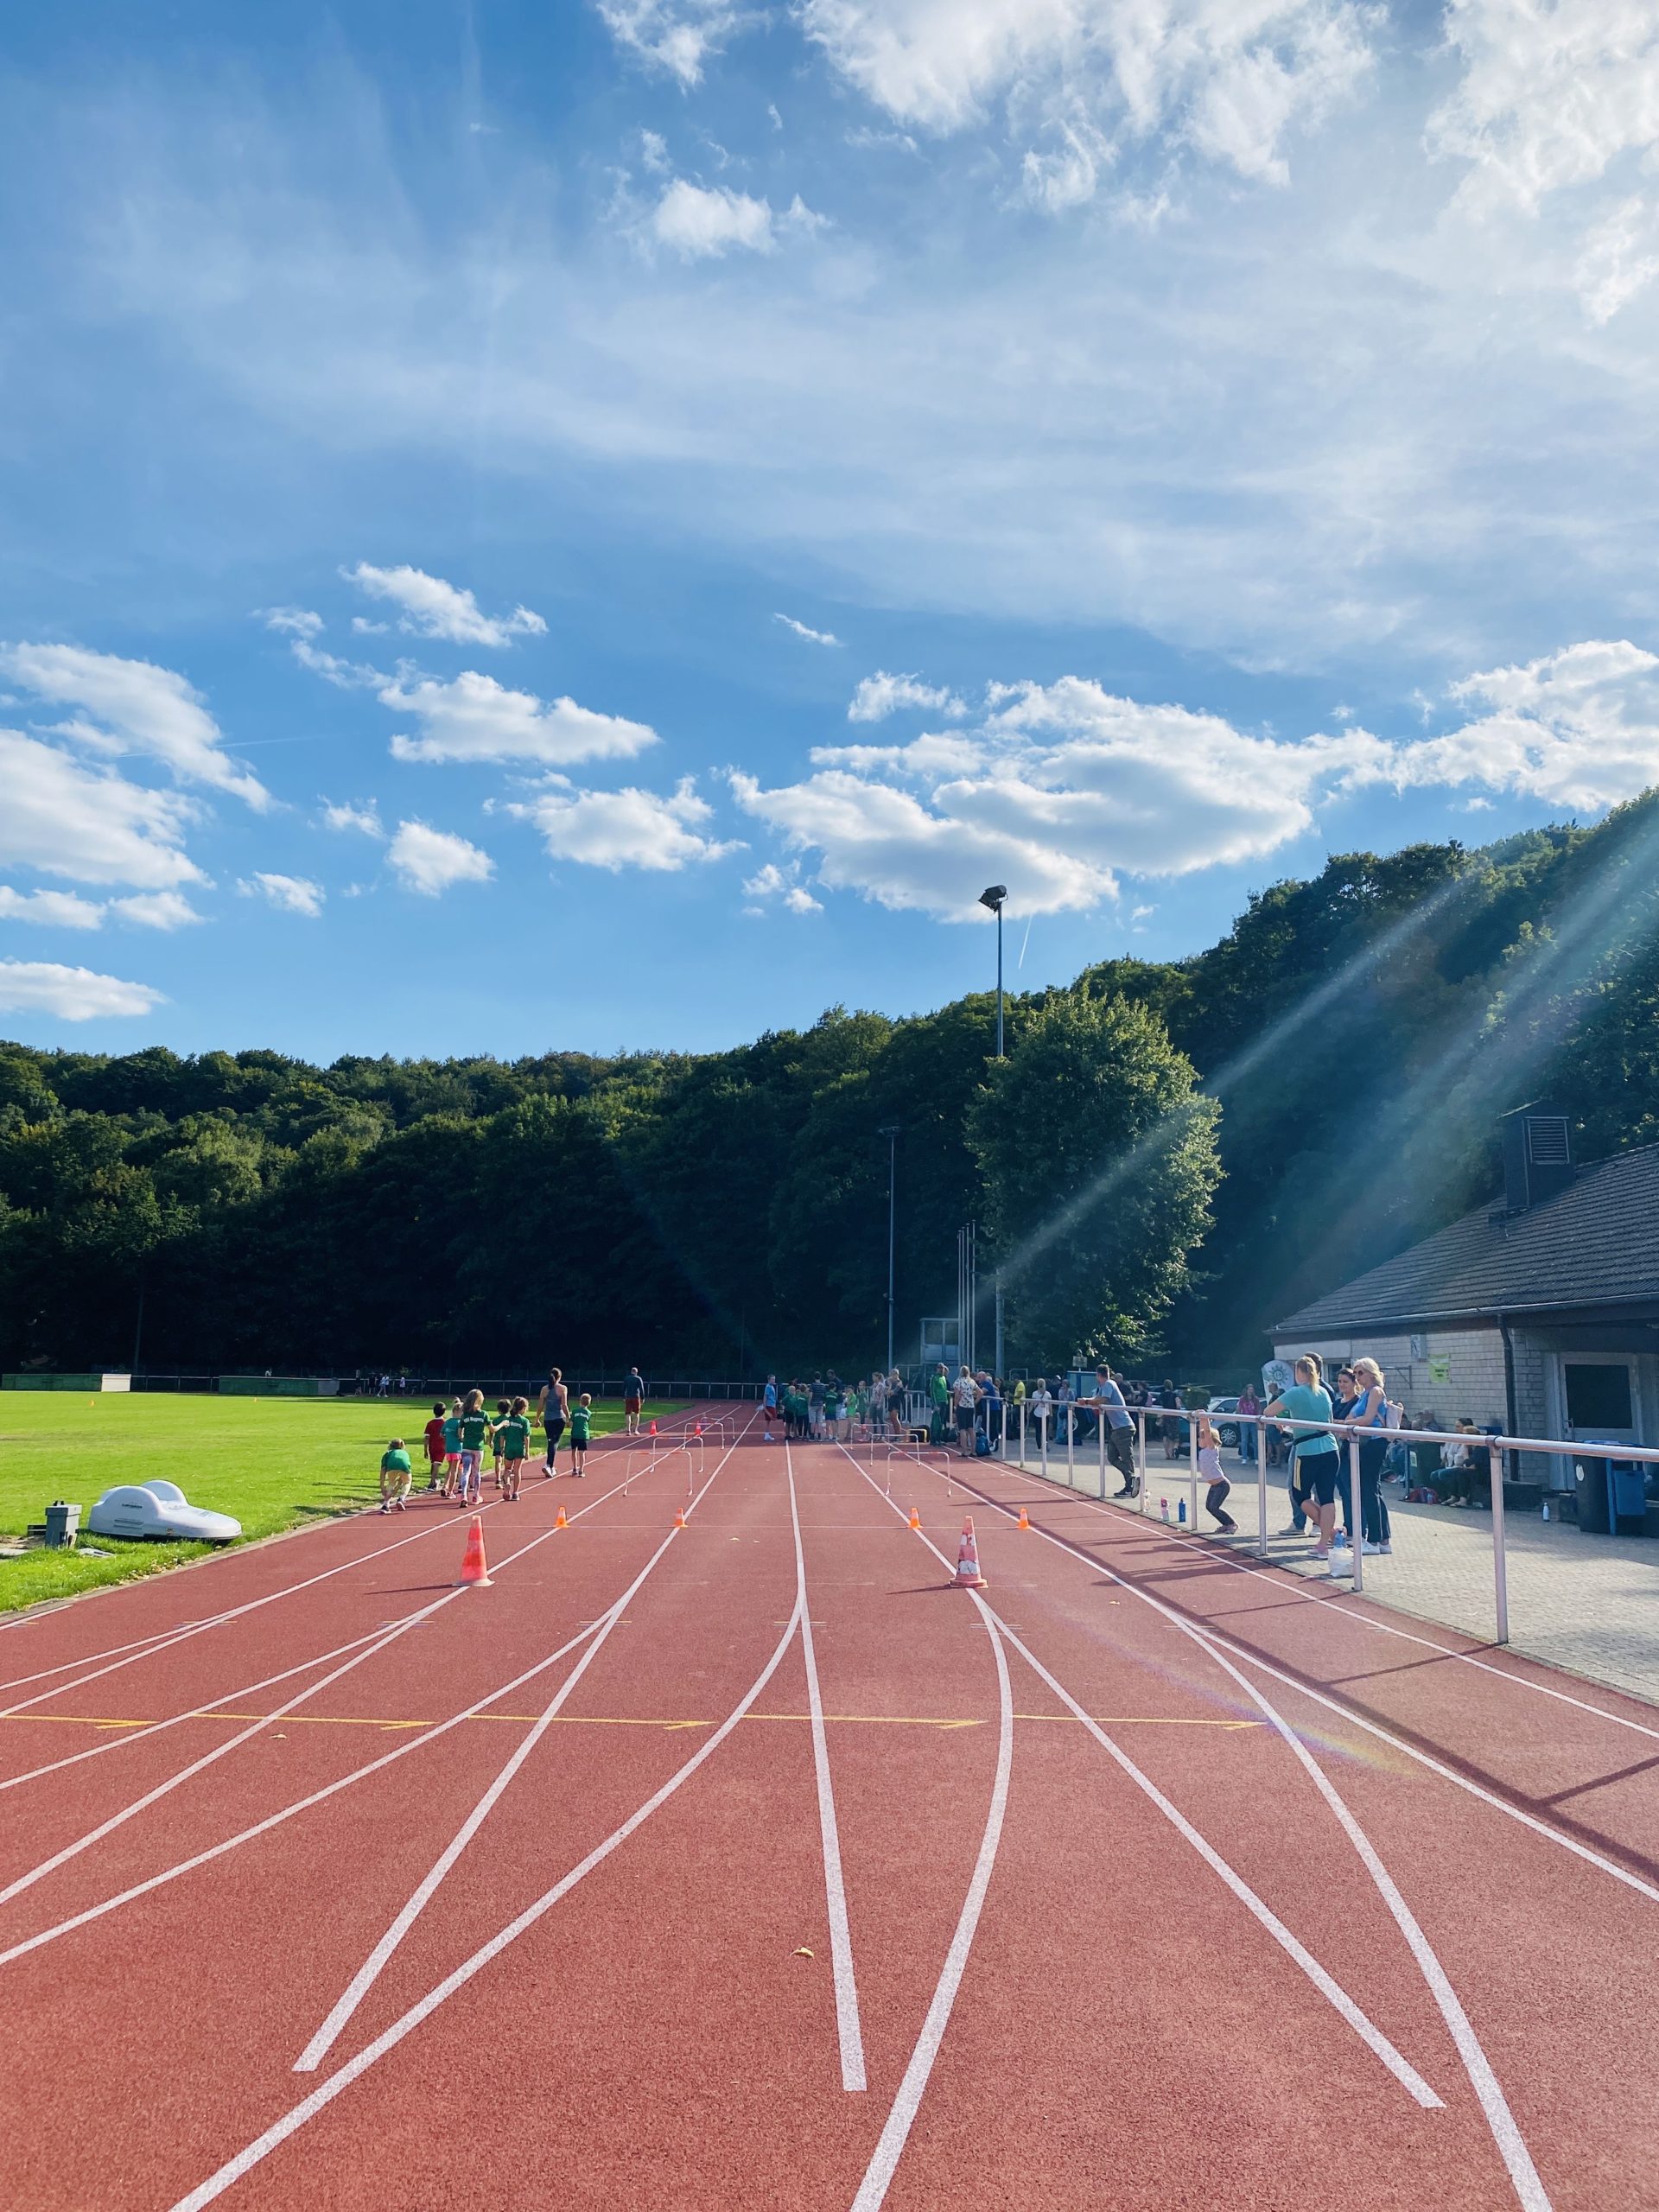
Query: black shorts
point(964, 1420)
point(1318, 1476)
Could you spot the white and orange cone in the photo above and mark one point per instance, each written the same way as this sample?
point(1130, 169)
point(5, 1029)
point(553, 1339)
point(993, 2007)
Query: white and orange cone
point(968, 1576)
point(475, 1568)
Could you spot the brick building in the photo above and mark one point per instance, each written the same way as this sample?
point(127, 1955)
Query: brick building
point(1539, 1313)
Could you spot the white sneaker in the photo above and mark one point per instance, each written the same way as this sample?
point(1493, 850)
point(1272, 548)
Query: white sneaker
point(1370, 1550)
point(1385, 1547)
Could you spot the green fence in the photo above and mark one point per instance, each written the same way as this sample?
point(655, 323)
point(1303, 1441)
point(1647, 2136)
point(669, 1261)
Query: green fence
point(278, 1386)
point(66, 1381)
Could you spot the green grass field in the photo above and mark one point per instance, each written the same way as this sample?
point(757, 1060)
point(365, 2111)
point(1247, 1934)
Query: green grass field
point(275, 1463)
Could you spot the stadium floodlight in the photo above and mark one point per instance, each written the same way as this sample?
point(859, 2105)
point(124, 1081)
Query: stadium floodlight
point(890, 1131)
point(993, 896)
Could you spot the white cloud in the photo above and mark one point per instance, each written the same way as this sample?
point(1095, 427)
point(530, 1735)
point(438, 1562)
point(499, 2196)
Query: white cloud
point(350, 814)
point(134, 707)
point(430, 860)
point(677, 35)
point(156, 910)
point(345, 675)
point(433, 608)
point(90, 824)
point(628, 828)
point(700, 222)
point(475, 718)
point(1619, 258)
point(785, 885)
point(70, 994)
point(293, 894)
point(292, 622)
point(653, 152)
point(1063, 787)
point(1578, 729)
point(801, 630)
point(59, 910)
point(882, 695)
point(1091, 77)
point(1550, 96)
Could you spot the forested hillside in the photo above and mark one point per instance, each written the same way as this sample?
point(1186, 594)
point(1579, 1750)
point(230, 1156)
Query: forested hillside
point(1171, 1156)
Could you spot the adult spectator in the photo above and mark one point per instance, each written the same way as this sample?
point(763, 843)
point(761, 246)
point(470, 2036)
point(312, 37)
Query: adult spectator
point(1109, 1403)
point(965, 1397)
point(1170, 1396)
point(895, 1402)
point(1315, 1462)
point(815, 1406)
point(633, 1400)
point(1042, 1411)
point(938, 1396)
point(1342, 1405)
point(1369, 1414)
point(1249, 1437)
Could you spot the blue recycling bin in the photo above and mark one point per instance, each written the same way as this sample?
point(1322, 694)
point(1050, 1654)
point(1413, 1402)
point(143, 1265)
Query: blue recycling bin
point(1612, 1492)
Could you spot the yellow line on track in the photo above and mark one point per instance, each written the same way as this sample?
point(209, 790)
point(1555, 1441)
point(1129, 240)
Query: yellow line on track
point(608, 1720)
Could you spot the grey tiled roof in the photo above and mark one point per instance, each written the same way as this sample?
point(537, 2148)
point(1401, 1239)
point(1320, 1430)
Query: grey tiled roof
point(1595, 1243)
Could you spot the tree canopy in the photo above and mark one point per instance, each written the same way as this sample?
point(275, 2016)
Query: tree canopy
point(1172, 1154)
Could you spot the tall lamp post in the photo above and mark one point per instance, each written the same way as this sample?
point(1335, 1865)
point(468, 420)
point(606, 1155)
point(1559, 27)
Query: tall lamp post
point(993, 897)
point(891, 1132)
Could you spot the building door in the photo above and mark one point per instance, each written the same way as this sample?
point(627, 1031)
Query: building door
point(1600, 1400)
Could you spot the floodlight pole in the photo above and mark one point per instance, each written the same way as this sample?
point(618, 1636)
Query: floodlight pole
point(891, 1133)
point(995, 897)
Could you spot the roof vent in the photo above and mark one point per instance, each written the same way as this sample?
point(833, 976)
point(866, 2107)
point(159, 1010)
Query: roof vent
point(1537, 1156)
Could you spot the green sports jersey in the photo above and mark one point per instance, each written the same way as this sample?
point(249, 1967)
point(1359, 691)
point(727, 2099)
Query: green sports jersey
point(394, 1463)
point(512, 1434)
point(474, 1429)
point(582, 1424)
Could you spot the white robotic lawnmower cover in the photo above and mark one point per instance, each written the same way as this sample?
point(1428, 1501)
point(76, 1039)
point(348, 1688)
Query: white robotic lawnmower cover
point(159, 1509)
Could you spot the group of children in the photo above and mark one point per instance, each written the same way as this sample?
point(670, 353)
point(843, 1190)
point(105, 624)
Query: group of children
point(455, 1438)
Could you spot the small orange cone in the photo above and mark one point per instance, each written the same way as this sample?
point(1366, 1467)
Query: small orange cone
point(475, 1569)
point(968, 1576)
point(653, 1428)
point(561, 1523)
point(915, 1518)
point(1024, 1521)
point(679, 1516)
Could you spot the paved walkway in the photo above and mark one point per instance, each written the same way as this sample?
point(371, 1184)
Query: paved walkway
point(1588, 1604)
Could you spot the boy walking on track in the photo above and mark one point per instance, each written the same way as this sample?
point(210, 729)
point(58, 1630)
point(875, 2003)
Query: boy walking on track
point(452, 1448)
point(582, 1428)
point(512, 1441)
point(633, 1400)
point(435, 1447)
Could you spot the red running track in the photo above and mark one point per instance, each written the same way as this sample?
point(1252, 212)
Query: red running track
point(747, 1864)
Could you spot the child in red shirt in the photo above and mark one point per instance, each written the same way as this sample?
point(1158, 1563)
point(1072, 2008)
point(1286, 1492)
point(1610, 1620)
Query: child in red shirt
point(434, 1452)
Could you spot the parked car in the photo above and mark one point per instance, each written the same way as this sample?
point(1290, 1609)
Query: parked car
point(1226, 1430)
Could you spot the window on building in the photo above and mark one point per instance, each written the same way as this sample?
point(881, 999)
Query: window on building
point(1597, 1396)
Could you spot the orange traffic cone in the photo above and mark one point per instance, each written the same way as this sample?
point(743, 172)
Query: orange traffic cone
point(475, 1568)
point(653, 1428)
point(915, 1518)
point(561, 1523)
point(968, 1576)
point(1024, 1520)
point(679, 1516)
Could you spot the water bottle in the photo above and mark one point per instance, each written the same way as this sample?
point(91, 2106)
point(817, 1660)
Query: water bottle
point(1546, 1509)
point(1181, 1512)
point(1163, 1507)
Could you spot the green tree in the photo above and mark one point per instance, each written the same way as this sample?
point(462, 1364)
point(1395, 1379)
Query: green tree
point(1099, 1160)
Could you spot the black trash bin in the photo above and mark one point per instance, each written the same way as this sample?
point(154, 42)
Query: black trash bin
point(1611, 1492)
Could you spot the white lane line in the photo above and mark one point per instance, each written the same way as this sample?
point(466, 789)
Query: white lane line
point(371, 1968)
point(890, 2145)
point(1296, 1586)
point(208, 1758)
point(251, 1689)
point(324, 2094)
point(1248, 1657)
point(317, 1796)
point(1328, 1988)
point(1511, 2145)
point(145, 1646)
point(848, 2030)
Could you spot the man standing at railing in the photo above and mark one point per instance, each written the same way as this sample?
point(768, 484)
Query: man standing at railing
point(1108, 1402)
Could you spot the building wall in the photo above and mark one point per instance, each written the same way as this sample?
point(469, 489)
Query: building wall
point(1473, 1381)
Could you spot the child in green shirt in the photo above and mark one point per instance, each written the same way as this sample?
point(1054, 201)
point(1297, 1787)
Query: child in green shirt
point(582, 1428)
point(451, 1446)
point(502, 1409)
point(511, 1442)
point(474, 1428)
point(396, 1475)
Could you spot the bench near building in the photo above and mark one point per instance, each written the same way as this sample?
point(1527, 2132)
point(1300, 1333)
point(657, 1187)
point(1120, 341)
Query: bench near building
point(1539, 1313)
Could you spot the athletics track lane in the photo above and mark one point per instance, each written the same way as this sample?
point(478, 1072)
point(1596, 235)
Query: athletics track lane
point(653, 2039)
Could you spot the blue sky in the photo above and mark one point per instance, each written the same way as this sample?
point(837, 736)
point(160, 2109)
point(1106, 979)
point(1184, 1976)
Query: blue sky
point(1185, 438)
